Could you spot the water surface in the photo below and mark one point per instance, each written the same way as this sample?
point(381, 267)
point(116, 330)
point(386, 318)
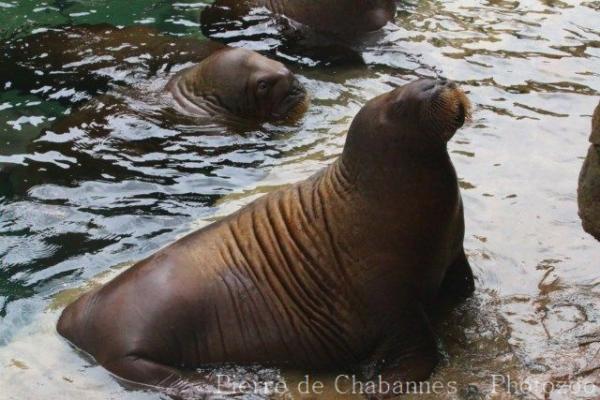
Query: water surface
point(531, 69)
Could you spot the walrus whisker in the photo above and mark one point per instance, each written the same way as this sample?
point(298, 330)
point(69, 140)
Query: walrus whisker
point(448, 111)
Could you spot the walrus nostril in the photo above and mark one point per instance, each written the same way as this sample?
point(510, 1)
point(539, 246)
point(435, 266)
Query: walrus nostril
point(445, 83)
point(297, 88)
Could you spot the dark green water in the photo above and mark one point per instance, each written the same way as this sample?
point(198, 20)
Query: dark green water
point(532, 71)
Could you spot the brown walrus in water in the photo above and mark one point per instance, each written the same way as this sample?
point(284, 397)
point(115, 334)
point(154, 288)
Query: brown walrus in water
point(238, 83)
point(334, 273)
point(589, 182)
point(342, 17)
point(227, 83)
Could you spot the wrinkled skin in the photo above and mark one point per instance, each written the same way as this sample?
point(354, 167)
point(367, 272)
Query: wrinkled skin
point(239, 83)
point(228, 84)
point(334, 273)
point(341, 17)
point(589, 182)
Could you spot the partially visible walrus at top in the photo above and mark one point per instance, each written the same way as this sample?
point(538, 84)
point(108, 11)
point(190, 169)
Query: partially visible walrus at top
point(337, 273)
point(226, 83)
point(91, 58)
point(323, 32)
point(341, 17)
point(589, 182)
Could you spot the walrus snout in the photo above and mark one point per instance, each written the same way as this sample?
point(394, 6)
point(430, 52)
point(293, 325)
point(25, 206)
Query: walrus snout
point(294, 103)
point(297, 88)
point(449, 108)
point(438, 105)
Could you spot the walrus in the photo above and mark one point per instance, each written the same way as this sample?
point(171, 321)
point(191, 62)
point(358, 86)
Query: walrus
point(589, 182)
point(335, 273)
point(327, 33)
point(226, 83)
point(239, 83)
point(340, 17)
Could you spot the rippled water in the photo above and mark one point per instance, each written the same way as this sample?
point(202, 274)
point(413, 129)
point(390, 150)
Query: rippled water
point(75, 204)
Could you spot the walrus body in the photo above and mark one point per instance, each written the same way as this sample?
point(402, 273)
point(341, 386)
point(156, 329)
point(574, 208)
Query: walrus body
point(342, 17)
point(589, 182)
point(333, 273)
point(91, 58)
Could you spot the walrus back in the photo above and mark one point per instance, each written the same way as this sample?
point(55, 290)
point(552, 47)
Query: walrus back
point(73, 322)
point(68, 50)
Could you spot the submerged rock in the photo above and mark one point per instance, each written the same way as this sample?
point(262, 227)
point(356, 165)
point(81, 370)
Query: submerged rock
point(589, 182)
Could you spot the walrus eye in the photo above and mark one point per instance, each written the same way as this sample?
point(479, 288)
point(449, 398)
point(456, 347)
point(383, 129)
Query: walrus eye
point(263, 86)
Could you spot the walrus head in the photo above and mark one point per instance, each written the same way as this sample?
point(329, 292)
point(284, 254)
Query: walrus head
point(414, 121)
point(240, 83)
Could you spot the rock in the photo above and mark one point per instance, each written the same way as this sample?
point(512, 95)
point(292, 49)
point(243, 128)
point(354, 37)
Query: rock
point(589, 182)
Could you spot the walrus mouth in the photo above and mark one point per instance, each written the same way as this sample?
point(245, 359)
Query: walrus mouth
point(293, 106)
point(450, 109)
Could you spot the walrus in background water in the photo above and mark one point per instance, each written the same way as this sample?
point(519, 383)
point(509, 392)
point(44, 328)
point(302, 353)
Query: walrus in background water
point(333, 273)
point(341, 17)
point(238, 83)
point(227, 83)
point(589, 182)
point(308, 32)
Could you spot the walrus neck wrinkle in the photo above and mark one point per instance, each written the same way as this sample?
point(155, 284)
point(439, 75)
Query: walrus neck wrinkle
point(334, 198)
point(341, 180)
point(194, 95)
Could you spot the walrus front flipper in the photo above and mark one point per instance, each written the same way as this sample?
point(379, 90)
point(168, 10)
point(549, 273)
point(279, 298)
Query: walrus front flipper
point(139, 370)
point(404, 359)
point(458, 283)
